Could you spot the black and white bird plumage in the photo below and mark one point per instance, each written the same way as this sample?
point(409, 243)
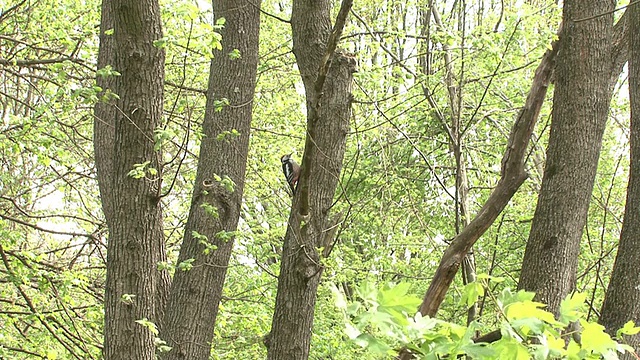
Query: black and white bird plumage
point(291, 171)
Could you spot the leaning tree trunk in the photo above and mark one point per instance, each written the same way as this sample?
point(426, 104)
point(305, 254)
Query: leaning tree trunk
point(622, 300)
point(135, 289)
point(327, 78)
point(580, 107)
point(215, 206)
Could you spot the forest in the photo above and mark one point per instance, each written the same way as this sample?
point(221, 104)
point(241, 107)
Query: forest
point(319, 179)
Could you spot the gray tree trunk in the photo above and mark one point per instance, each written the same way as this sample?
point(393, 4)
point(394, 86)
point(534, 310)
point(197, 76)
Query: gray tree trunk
point(135, 289)
point(195, 294)
point(328, 114)
point(104, 113)
point(580, 107)
point(622, 300)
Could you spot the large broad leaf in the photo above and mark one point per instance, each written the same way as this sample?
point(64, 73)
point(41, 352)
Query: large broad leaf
point(397, 297)
point(571, 307)
point(595, 339)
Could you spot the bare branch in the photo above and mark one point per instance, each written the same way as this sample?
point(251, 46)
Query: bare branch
point(36, 227)
point(11, 9)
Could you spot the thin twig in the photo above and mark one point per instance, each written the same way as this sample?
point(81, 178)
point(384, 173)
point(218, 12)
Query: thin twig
point(36, 227)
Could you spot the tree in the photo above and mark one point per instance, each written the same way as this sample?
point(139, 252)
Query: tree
point(131, 181)
point(217, 196)
point(327, 77)
point(622, 299)
point(580, 106)
point(219, 183)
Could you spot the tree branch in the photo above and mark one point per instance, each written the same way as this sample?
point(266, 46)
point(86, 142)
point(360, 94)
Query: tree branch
point(36, 227)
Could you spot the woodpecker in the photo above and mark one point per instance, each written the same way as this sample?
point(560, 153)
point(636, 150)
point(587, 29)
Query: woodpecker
point(291, 171)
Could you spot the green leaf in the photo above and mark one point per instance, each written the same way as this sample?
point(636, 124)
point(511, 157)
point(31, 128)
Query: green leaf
point(186, 265)
point(478, 351)
point(138, 170)
point(161, 345)
point(160, 43)
point(351, 331)
point(127, 299)
point(210, 210)
point(149, 325)
point(471, 292)
point(629, 328)
point(572, 307)
point(228, 184)
point(396, 297)
point(225, 235)
point(107, 71)
point(196, 235)
point(529, 325)
point(374, 345)
point(510, 349)
point(595, 338)
point(234, 54)
point(340, 300)
point(161, 137)
point(219, 104)
point(526, 309)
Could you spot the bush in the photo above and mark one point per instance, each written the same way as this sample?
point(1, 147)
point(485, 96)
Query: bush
point(379, 321)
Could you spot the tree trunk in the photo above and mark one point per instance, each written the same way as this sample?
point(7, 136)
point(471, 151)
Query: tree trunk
point(328, 113)
point(580, 107)
point(215, 209)
point(622, 300)
point(135, 289)
point(104, 113)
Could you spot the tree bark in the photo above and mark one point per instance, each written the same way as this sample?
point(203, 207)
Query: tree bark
point(215, 210)
point(104, 113)
point(135, 289)
point(327, 78)
point(622, 299)
point(580, 107)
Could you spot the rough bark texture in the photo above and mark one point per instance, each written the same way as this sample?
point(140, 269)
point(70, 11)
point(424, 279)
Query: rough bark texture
point(580, 107)
point(300, 269)
point(135, 289)
point(328, 113)
point(104, 113)
point(195, 294)
point(622, 300)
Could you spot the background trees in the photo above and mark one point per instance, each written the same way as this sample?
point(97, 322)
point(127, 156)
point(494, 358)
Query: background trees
point(313, 222)
point(436, 92)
